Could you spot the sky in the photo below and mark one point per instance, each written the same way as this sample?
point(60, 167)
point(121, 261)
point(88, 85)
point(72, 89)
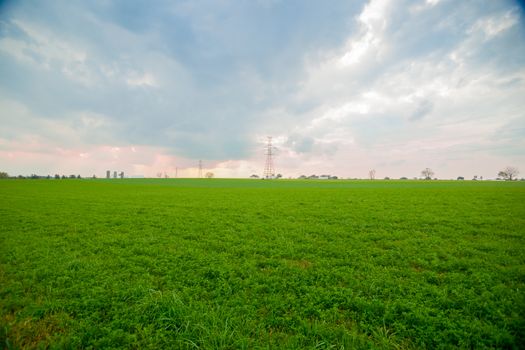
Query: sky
point(342, 87)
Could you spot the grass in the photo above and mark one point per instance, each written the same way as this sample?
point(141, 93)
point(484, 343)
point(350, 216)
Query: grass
point(248, 264)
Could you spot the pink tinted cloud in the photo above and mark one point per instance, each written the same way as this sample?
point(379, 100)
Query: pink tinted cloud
point(36, 156)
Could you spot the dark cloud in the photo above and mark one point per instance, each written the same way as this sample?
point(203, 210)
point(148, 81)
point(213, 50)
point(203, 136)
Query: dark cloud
point(300, 143)
point(423, 108)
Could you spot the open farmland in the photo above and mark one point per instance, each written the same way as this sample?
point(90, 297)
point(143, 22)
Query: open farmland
point(176, 263)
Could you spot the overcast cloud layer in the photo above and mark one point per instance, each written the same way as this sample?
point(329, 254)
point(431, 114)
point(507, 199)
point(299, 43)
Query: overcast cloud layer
point(342, 86)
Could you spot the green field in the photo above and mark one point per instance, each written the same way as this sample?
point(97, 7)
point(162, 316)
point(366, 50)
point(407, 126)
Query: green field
point(248, 264)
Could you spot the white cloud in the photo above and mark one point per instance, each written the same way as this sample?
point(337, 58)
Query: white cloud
point(492, 26)
point(432, 2)
point(145, 79)
point(94, 120)
point(373, 22)
point(44, 50)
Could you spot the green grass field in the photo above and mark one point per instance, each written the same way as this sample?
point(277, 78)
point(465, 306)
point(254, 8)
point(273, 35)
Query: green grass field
point(248, 264)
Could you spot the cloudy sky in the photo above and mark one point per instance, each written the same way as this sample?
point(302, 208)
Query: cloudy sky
point(342, 87)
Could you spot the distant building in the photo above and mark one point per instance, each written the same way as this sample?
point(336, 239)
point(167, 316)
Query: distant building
point(121, 174)
point(108, 174)
point(114, 174)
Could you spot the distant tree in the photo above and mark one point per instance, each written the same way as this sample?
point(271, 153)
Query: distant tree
point(63, 176)
point(253, 176)
point(461, 178)
point(78, 176)
point(94, 176)
point(57, 176)
point(427, 173)
point(278, 176)
point(403, 178)
point(509, 173)
point(372, 174)
point(3, 175)
point(209, 175)
point(387, 178)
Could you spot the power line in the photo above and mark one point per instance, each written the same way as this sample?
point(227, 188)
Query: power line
point(269, 172)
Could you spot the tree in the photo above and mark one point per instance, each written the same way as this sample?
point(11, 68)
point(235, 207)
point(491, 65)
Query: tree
point(509, 173)
point(3, 175)
point(427, 173)
point(372, 174)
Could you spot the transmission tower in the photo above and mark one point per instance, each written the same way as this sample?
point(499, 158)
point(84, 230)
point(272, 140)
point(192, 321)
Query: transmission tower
point(269, 172)
point(200, 168)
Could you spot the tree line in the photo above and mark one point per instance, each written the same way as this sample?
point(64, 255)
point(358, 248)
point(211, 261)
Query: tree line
point(508, 174)
point(5, 175)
